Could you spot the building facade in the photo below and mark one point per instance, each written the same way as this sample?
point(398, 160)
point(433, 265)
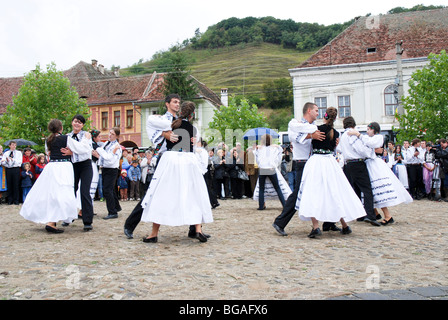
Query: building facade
point(358, 71)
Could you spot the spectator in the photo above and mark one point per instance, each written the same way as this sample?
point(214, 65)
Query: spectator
point(12, 161)
point(40, 165)
point(27, 180)
point(2, 177)
point(236, 184)
point(134, 174)
point(29, 157)
point(123, 184)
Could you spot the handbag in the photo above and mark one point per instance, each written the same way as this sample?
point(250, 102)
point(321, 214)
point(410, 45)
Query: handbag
point(242, 175)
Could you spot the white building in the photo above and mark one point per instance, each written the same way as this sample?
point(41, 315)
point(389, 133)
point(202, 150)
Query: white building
point(357, 71)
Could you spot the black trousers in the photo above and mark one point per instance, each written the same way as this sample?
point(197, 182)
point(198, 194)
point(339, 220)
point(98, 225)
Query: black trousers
point(358, 176)
point(109, 190)
point(289, 209)
point(211, 191)
point(83, 173)
point(415, 174)
point(13, 183)
point(262, 184)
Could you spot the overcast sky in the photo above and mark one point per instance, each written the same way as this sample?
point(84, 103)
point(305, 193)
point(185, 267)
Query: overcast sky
point(121, 32)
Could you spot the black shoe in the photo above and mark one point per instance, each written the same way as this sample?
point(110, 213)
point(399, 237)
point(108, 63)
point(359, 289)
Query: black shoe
point(192, 234)
point(372, 222)
point(386, 222)
point(360, 219)
point(151, 240)
point(53, 230)
point(215, 205)
point(378, 217)
point(328, 226)
point(279, 229)
point(314, 233)
point(88, 227)
point(201, 237)
point(128, 233)
point(111, 216)
point(346, 230)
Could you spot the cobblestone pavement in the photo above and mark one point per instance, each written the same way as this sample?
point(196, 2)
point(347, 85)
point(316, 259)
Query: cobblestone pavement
point(245, 259)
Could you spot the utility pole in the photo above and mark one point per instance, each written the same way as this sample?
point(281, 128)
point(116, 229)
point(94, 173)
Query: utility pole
point(400, 50)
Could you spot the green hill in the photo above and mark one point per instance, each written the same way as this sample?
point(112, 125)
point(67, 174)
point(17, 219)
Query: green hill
point(241, 68)
point(244, 68)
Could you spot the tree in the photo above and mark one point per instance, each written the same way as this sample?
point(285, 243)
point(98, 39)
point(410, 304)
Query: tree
point(278, 93)
point(229, 123)
point(178, 79)
point(426, 106)
point(42, 97)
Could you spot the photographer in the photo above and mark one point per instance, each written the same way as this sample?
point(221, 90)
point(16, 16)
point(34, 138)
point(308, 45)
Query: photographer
point(441, 153)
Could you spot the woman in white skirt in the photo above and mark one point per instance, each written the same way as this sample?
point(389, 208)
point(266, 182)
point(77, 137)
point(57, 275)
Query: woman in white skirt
point(325, 193)
point(399, 168)
point(268, 157)
point(387, 190)
point(52, 197)
point(178, 194)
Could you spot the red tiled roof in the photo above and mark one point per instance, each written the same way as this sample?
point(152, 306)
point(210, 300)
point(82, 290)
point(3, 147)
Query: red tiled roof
point(422, 33)
point(106, 87)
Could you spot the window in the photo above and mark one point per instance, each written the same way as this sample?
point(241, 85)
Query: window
point(371, 50)
point(321, 103)
point(344, 106)
point(129, 118)
point(390, 99)
point(104, 120)
point(117, 119)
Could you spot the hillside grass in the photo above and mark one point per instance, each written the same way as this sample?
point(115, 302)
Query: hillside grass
point(242, 69)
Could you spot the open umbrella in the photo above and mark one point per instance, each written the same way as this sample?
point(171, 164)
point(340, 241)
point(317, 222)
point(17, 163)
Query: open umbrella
point(21, 142)
point(257, 133)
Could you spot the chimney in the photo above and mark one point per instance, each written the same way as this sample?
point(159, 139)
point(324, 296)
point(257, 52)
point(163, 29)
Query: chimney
point(116, 71)
point(94, 63)
point(224, 97)
point(101, 68)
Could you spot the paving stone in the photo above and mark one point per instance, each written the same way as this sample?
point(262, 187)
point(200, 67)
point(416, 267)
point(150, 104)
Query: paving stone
point(403, 295)
point(429, 291)
point(371, 296)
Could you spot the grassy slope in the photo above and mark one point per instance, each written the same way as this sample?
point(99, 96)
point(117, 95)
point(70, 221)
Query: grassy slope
point(242, 67)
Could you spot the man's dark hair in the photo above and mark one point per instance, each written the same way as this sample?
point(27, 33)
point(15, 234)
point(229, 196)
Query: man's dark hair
point(349, 122)
point(308, 105)
point(171, 96)
point(80, 117)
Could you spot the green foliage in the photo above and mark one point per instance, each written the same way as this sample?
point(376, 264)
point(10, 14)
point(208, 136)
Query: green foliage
point(280, 118)
point(290, 34)
point(418, 7)
point(178, 79)
point(42, 97)
point(232, 121)
point(426, 106)
point(278, 93)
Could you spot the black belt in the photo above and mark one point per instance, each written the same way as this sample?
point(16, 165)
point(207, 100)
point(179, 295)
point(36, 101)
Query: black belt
point(414, 164)
point(299, 161)
point(355, 160)
point(59, 160)
point(322, 151)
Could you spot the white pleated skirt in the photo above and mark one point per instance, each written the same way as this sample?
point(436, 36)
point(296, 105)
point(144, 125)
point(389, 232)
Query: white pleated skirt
point(325, 193)
point(52, 197)
point(387, 190)
point(269, 191)
point(177, 194)
point(401, 173)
